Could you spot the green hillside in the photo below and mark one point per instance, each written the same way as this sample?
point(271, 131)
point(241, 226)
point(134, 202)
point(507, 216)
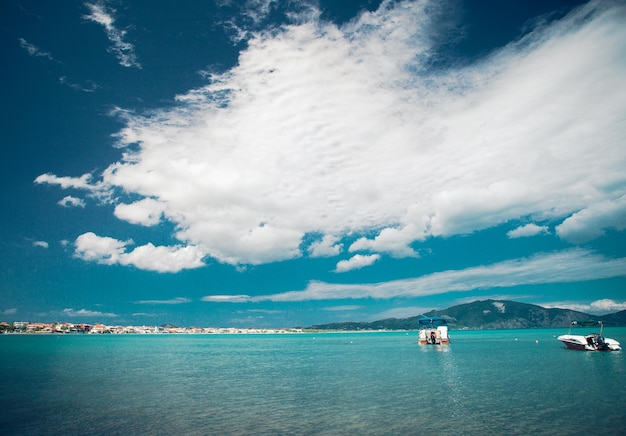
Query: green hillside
point(486, 314)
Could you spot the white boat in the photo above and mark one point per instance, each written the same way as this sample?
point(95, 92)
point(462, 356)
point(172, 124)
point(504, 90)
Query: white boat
point(433, 331)
point(590, 342)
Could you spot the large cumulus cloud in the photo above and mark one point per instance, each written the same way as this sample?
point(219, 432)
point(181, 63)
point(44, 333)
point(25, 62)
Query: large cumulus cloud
point(334, 131)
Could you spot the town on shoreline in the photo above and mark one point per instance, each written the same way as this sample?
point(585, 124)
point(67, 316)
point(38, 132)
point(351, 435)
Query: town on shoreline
point(24, 327)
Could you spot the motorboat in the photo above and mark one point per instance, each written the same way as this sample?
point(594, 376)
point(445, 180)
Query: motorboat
point(590, 342)
point(433, 331)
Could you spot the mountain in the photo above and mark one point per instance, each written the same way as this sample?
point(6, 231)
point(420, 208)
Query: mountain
point(617, 319)
point(485, 315)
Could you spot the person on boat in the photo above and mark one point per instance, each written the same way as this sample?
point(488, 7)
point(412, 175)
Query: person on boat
point(433, 338)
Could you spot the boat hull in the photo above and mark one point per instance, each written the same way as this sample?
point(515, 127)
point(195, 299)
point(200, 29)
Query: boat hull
point(573, 343)
point(583, 343)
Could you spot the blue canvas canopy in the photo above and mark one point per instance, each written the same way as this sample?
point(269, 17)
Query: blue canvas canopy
point(434, 321)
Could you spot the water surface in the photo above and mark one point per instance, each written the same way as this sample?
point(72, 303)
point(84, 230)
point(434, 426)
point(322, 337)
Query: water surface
point(485, 382)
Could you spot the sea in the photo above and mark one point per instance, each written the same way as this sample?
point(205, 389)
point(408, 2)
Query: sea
point(497, 382)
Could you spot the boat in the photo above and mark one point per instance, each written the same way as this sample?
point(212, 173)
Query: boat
point(590, 342)
point(433, 331)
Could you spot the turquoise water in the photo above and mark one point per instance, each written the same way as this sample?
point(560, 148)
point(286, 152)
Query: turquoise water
point(485, 382)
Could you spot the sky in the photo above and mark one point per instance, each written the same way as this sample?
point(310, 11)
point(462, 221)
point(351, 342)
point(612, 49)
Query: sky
point(269, 163)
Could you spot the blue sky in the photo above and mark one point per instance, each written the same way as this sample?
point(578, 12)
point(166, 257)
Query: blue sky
point(274, 164)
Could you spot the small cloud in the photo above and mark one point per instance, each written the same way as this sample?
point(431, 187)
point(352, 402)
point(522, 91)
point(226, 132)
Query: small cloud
point(527, 230)
point(11, 311)
point(607, 305)
point(164, 259)
point(87, 313)
point(91, 247)
point(34, 51)
point(110, 251)
point(227, 298)
point(394, 241)
point(146, 212)
point(592, 222)
point(356, 262)
point(347, 307)
point(328, 246)
point(177, 300)
point(124, 51)
point(598, 307)
point(82, 182)
point(69, 201)
point(90, 86)
point(42, 244)
point(263, 311)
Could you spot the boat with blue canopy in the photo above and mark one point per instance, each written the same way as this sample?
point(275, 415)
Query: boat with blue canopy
point(433, 331)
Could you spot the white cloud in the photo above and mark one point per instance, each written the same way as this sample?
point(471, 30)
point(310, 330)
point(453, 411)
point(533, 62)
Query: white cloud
point(559, 267)
point(92, 247)
point(89, 86)
point(34, 51)
point(11, 311)
point(69, 201)
point(42, 244)
point(164, 259)
point(356, 262)
point(100, 13)
point(346, 307)
point(177, 300)
point(339, 131)
point(227, 298)
point(598, 307)
point(328, 246)
point(106, 250)
point(146, 212)
point(606, 306)
point(591, 222)
point(82, 182)
point(527, 230)
point(264, 311)
point(252, 15)
point(390, 240)
point(87, 313)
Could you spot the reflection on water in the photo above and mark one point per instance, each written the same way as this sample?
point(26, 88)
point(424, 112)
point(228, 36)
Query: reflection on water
point(434, 348)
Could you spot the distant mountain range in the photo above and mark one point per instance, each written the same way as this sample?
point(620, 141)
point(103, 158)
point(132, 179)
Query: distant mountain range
point(486, 315)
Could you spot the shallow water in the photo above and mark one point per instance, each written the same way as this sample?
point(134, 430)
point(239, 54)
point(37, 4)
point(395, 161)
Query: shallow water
point(485, 382)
